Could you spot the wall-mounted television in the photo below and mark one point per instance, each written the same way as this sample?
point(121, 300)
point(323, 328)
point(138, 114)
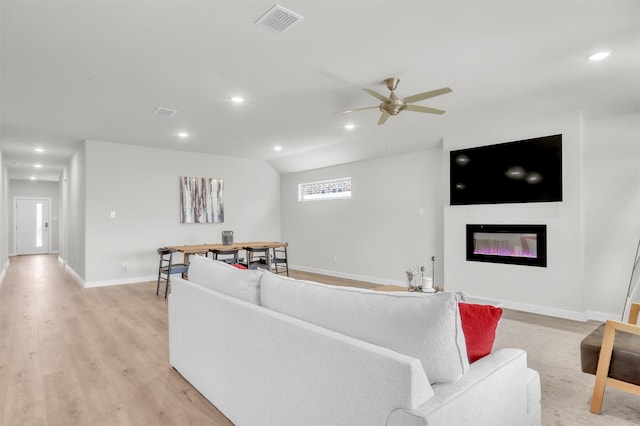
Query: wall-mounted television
point(526, 171)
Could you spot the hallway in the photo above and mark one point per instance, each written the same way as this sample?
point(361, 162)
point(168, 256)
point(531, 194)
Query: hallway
point(96, 356)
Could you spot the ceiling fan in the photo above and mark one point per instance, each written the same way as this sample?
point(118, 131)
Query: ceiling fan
point(392, 105)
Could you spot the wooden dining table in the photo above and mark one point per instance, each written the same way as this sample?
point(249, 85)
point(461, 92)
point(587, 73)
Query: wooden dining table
point(189, 249)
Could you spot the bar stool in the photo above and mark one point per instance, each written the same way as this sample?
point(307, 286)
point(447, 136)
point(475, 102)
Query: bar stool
point(280, 257)
point(257, 257)
point(216, 253)
point(167, 267)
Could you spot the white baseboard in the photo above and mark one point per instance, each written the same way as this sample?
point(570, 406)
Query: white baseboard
point(544, 310)
point(77, 278)
point(517, 306)
point(373, 280)
point(4, 270)
point(90, 284)
point(129, 280)
point(602, 316)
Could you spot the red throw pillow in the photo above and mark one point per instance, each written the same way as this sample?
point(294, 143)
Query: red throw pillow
point(479, 323)
point(239, 266)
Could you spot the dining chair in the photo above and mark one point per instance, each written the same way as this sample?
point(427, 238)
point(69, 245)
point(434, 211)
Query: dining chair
point(257, 257)
point(228, 255)
point(166, 268)
point(279, 259)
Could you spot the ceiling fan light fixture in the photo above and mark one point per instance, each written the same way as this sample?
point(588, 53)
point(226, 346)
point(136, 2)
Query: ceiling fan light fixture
point(393, 105)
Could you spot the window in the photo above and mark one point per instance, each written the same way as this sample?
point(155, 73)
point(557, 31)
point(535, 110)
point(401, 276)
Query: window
point(325, 190)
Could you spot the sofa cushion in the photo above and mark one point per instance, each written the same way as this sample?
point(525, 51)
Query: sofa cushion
point(225, 278)
point(423, 326)
point(479, 323)
point(624, 359)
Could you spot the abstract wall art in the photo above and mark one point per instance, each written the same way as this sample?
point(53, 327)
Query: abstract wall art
point(201, 200)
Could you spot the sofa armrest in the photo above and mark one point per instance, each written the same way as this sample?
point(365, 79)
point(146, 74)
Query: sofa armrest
point(495, 391)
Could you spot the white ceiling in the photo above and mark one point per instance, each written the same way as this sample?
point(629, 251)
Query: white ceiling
point(78, 70)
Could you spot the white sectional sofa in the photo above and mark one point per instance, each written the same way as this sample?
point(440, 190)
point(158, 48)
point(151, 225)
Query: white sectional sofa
point(271, 350)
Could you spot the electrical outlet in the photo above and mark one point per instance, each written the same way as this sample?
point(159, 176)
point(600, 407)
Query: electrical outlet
point(124, 266)
point(335, 259)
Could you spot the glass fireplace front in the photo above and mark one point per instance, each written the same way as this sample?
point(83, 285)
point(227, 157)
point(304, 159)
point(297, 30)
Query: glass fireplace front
point(515, 244)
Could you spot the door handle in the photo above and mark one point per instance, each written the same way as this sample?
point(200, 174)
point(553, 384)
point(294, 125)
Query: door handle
point(46, 225)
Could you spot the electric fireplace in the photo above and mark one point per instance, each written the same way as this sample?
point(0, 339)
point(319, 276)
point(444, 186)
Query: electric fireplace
point(514, 244)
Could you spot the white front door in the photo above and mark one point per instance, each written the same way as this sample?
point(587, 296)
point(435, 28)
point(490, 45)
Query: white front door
point(32, 223)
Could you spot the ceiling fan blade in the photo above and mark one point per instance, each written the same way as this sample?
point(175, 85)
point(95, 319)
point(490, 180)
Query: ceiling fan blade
point(354, 109)
point(426, 95)
point(420, 108)
point(377, 95)
point(383, 117)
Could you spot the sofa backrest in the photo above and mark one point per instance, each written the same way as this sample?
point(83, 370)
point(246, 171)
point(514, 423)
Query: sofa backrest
point(423, 326)
point(260, 367)
point(224, 278)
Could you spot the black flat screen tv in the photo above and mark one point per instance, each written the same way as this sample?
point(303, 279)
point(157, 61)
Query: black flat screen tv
point(526, 171)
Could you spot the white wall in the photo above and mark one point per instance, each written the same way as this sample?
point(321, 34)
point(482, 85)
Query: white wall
point(141, 185)
point(74, 213)
point(4, 224)
point(592, 234)
point(556, 289)
point(63, 214)
point(27, 188)
point(611, 209)
point(377, 234)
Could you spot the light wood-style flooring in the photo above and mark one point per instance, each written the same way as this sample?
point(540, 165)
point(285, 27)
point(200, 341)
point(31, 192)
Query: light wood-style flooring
point(99, 356)
point(96, 356)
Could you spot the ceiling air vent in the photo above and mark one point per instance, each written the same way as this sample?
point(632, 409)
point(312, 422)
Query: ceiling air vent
point(164, 112)
point(278, 19)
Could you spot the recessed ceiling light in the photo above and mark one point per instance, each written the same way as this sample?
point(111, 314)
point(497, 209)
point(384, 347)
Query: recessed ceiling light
point(37, 166)
point(349, 126)
point(183, 135)
point(277, 148)
point(38, 149)
point(32, 178)
point(237, 99)
point(598, 56)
